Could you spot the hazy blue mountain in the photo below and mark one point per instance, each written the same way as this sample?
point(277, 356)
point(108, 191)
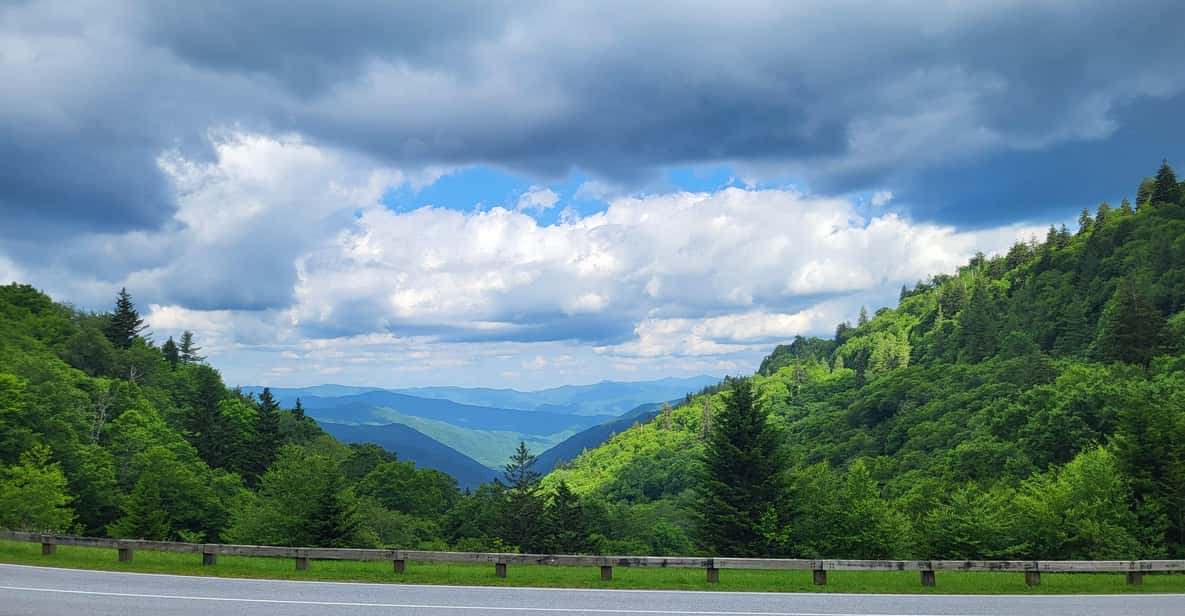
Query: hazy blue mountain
point(604, 398)
point(410, 444)
point(287, 396)
point(369, 408)
point(594, 436)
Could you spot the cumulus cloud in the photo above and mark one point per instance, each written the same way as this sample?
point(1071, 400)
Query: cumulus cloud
point(720, 270)
point(537, 198)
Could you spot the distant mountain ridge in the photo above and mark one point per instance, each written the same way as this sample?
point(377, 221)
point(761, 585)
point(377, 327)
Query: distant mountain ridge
point(456, 427)
point(410, 444)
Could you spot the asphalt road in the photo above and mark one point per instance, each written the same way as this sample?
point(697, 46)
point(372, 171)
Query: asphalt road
point(29, 591)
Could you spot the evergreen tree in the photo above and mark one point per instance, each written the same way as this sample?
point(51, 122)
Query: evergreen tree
point(1144, 194)
point(171, 353)
point(1130, 327)
point(298, 410)
point(1085, 222)
point(978, 325)
point(1073, 331)
point(1125, 208)
point(332, 520)
point(125, 323)
point(742, 478)
point(524, 507)
point(189, 349)
point(568, 531)
point(1102, 214)
point(267, 432)
point(1165, 189)
point(203, 419)
point(863, 318)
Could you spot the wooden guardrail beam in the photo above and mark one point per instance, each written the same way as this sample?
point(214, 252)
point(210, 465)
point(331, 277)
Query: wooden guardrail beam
point(1032, 569)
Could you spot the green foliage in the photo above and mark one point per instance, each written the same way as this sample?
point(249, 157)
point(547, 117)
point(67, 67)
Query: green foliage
point(1130, 327)
point(303, 500)
point(743, 475)
point(34, 494)
point(125, 324)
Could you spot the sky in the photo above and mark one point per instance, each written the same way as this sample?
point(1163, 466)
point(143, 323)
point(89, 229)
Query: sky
point(527, 194)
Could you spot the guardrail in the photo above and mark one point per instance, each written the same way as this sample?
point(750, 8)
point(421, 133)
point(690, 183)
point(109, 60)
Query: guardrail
point(1032, 569)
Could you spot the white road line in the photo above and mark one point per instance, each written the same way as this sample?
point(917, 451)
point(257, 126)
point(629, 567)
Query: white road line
point(564, 610)
point(553, 589)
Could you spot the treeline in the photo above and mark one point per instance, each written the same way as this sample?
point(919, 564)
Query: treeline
point(102, 432)
point(1029, 405)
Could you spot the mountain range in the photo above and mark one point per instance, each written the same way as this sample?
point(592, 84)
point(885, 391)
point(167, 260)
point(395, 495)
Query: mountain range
point(470, 432)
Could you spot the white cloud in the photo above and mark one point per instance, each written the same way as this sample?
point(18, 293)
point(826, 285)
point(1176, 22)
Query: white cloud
point(537, 198)
point(673, 283)
point(881, 197)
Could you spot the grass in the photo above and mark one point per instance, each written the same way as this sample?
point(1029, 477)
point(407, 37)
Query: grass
point(893, 582)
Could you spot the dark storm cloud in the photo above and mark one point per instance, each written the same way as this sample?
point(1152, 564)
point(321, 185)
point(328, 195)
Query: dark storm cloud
point(966, 110)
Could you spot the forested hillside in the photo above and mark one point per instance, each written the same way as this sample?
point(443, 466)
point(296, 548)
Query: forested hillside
point(1031, 404)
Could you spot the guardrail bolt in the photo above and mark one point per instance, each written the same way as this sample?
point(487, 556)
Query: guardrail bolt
point(49, 549)
point(1033, 578)
point(928, 577)
point(500, 569)
point(400, 565)
point(1135, 578)
point(713, 575)
point(820, 577)
point(606, 572)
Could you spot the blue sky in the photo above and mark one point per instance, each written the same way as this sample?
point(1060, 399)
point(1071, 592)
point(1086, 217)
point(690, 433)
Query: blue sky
point(528, 194)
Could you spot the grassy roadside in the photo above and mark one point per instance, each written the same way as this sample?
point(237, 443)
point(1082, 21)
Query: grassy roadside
point(582, 577)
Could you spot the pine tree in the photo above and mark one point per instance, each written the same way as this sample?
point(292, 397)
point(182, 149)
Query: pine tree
point(126, 323)
point(332, 520)
point(1144, 194)
point(204, 420)
point(1102, 214)
point(1072, 330)
point(567, 530)
point(524, 507)
point(978, 325)
point(1165, 189)
point(863, 318)
point(1125, 208)
point(298, 410)
point(189, 349)
point(1085, 222)
point(742, 477)
point(267, 433)
point(1130, 327)
point(171, 353)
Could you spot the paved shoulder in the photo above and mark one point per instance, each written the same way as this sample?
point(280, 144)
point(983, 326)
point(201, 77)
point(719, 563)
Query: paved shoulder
point(43, 590)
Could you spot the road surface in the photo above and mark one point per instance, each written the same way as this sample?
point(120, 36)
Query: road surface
point(43, 590)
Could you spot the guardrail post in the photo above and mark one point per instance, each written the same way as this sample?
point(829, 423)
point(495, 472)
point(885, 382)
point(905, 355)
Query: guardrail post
point(125, 554)
point(500, 570)
point(302, 560)
point(928, 577)
point(1032, 578)
point(1135, 578)
point(48, 548)
point(820, 577)
point(606, 572)
point(713, 574)
point(209, 557)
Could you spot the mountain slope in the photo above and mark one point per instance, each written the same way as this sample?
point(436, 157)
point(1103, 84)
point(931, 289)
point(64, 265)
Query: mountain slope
point(572, 446)
point(412, 445)
point(978, 385)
